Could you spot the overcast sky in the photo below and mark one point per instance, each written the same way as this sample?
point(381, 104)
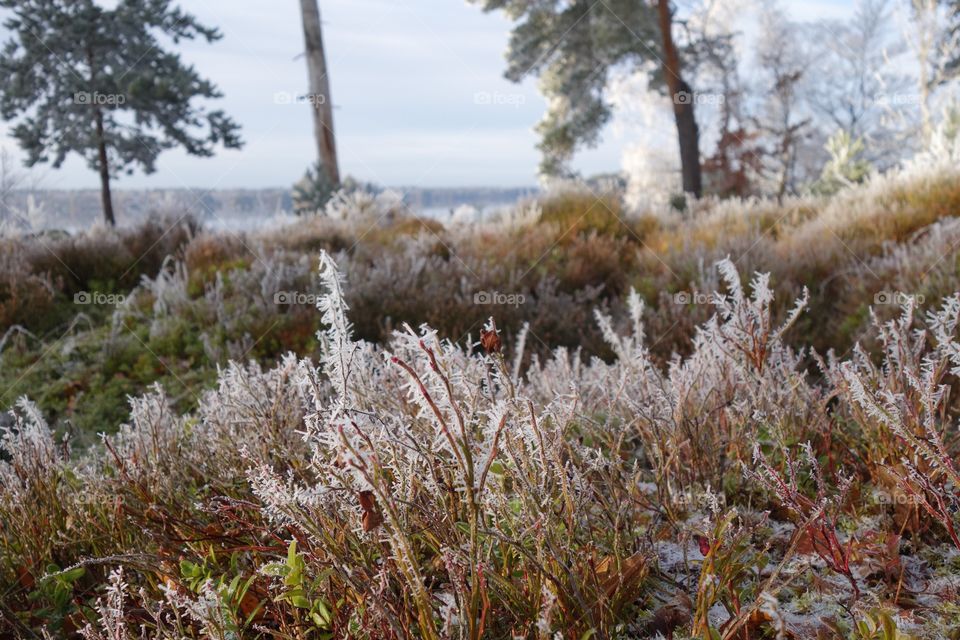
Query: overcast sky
point(410, 79)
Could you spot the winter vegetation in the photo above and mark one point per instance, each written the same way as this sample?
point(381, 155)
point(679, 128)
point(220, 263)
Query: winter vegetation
point(712, 396)
point(572, 419)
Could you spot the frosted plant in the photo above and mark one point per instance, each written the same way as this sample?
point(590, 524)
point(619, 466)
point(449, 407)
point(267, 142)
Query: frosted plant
point(142, 444)
point(255, 409)
point(111, 615)
point(845, 166)
point(770, 607)
point(902, 404)
point(915, 267)
point(512, 219)
point(817, 516)
point(425, 429)
point(448, 489)
point(363, 208)
point(30, 454)
point(746, 325)
point(703, 408)
point(169, 288)
point(465, 214)
point(206, 609)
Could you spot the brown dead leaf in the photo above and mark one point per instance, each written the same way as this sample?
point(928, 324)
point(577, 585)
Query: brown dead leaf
point(25, 578)
point(490, 341)
point(667, 618)
point(372, 518)
point(249, 604)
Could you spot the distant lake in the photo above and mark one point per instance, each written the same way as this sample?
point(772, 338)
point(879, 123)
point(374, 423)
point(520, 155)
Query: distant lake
point(236, 210)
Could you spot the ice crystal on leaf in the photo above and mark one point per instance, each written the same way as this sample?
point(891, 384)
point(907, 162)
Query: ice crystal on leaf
point(442, 486)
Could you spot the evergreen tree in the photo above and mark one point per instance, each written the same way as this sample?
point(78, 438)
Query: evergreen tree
point(573, 45)
point(846, 165)
point(97, 82)
point(313, 190)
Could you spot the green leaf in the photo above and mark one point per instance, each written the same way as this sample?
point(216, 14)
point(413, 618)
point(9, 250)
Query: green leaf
point(73, 575)
point(324, 611)
point(300, 602)
point(189, 569)
point(253, 614)
point(232, 589)
point(293, 578)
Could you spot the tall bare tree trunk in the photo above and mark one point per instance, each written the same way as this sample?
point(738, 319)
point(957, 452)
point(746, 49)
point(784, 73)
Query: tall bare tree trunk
point(688, 134)
point(105, 196)
point(106, 200)
point(319, 83)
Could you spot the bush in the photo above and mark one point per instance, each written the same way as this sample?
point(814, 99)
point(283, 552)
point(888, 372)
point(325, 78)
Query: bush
point(433, 489)
point(213, 298)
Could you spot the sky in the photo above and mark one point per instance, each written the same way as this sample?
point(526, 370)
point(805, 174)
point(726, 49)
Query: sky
point(417, 86)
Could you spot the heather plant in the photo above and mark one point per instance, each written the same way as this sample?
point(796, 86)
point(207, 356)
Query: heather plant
point(695, 419)
point(23, 292)
point(157, 497)
point(628, 452)
point(41, 274)
point(736, 591)
point(439, 489)
point(425, 437)
point(904, 404)
point(571, 251)
point(815, 516)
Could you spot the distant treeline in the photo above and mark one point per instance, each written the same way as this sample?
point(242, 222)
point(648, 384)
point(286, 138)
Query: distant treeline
point(81, 208)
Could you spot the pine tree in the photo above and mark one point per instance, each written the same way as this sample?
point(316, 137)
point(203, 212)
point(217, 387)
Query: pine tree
point(96, 82)
point(846, 165)
point(573, 46)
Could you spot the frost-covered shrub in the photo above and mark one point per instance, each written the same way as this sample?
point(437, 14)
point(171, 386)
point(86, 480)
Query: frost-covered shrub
point(902, 408)
point(424, 434)
point(441, 489)
point(41, 273)
point(392, 480)
point(24, 294)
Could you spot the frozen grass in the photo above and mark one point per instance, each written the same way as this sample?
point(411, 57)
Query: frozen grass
point(609, 459)
point(426, 488)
